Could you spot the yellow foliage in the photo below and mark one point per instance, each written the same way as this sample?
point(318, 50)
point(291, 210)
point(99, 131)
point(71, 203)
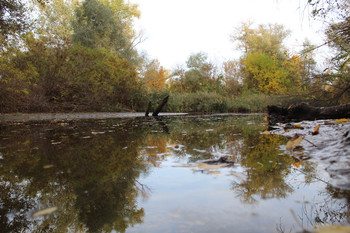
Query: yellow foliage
point(155, 76)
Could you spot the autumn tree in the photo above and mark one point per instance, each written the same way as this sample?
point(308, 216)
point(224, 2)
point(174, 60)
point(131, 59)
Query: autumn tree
point(265, 73)
point(266, 64)
point(232, 77)
point(199, 75)
point(155, 75)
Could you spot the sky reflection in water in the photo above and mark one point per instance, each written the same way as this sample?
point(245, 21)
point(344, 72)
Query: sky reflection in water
point(141, 175)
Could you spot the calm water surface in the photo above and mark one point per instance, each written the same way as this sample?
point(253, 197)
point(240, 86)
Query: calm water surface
point(146, 175)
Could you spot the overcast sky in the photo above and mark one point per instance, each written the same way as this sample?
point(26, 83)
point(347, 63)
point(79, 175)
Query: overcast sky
point(176, 28)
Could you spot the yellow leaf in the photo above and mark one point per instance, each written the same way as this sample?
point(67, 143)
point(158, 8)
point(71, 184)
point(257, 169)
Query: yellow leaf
point(297, 164)
point(317, 127)
point(266, 132)
point(339, 121)
point(296, 126)
point(294, 142)
point(333, 229)
point(44, 212)
point(266, 118)
point(48, 166)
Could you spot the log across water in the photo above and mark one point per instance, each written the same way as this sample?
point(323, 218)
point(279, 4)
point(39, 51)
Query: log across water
point(303, 111)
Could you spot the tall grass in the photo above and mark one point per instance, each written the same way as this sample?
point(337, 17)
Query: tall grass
point(205, 102)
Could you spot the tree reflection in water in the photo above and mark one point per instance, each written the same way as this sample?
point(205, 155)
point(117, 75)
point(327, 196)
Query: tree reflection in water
point(89, 173)
point(91, 169)
point(266, 169)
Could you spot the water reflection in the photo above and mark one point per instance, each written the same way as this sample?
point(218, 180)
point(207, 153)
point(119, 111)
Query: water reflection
point(89, 171)
point(92, 169)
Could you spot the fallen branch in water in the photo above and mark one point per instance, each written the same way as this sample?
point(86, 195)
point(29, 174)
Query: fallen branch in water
point(160, 106)
point(303, 111)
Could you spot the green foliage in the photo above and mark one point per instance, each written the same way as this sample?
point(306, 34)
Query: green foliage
point(72, 78)
point(12, 17)
point(55, 22)
point(97, 27)
point(264, 39)
point(211, 102)
point(197, 102)
point(100, 25)
point(200, 76)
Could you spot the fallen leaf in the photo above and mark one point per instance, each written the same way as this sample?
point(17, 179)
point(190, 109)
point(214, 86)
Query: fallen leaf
point(208, 166)
point(316, 130)
point(266, 118)
point(48, 166)
point(333, 229)
point(297, 126)
point(214, 173)
point(44, 212)
point(266, 132)
point(339, 121)
point(294, 142)
point(297, 164)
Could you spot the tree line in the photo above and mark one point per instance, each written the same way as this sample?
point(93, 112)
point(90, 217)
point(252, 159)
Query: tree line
point(71, 55)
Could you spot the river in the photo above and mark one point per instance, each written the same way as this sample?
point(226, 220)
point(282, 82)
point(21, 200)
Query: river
point(138, 174)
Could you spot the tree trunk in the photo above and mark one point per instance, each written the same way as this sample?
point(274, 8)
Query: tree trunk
point(303, 111)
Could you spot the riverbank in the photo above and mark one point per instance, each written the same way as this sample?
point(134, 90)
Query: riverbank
point(71, 116)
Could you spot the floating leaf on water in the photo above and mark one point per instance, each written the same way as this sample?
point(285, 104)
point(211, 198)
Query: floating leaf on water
point(316, 130)
point(339, 121)
point(297, 164)
point(294, 142)
point(205, 166)
point(48, 166)
point(297, 126)
point(214, 173)
point(44, 212)
point(333, 229)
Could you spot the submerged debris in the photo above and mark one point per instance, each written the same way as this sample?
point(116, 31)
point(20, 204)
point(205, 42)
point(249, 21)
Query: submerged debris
point(44, 212)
